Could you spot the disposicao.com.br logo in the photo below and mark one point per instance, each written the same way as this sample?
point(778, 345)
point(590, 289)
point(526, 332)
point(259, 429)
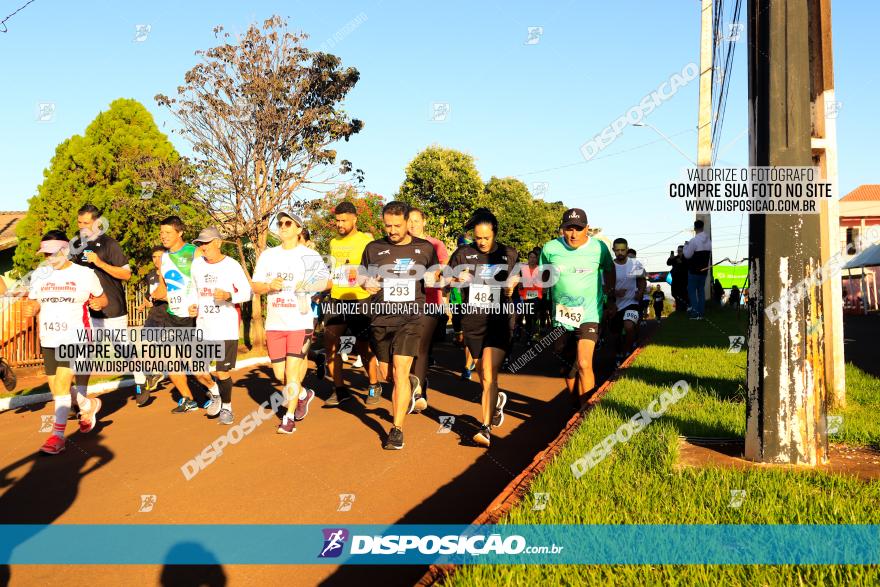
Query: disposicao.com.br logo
point(402, 544)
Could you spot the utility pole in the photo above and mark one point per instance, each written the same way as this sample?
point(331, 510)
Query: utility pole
point(785, 410)
point(704, 124)
point(824, 147)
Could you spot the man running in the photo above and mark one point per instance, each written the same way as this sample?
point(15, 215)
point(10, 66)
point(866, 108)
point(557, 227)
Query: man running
point(629, 289)
point(346, 304)
point(579, 265)
point(487, 325)
point(532, 295)
point(435, 318)
point(396, 268)
point(175, 285)
point(104, 256)
point(290, 274)
point(220, 283)
point(698, 252)
point(60, 298)
point(658, 297)
point(158, 309)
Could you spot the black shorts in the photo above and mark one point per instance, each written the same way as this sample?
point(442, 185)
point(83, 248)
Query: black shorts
point(617, 320)
point(402, 340)
point(349, 313)
point(495, 332)
point(50, 363)
point(230, 354)
point(172, 321)
point(565, 347)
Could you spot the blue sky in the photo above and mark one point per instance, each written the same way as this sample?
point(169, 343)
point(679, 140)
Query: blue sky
point(520, 109)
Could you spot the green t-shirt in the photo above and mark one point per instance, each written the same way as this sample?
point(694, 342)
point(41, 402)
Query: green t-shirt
point(579, 283)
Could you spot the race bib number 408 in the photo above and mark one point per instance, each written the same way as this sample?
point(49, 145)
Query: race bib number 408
point(569, 315)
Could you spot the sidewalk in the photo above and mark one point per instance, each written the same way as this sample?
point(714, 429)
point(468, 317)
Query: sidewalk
point(271, 478)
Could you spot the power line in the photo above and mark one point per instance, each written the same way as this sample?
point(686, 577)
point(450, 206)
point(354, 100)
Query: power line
point(3, 22)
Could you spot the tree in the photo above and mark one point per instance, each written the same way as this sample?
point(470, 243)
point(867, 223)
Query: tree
point(262, 115)
point(127, 168)
point(446, 184)
point(321, 221)
point(523, 222)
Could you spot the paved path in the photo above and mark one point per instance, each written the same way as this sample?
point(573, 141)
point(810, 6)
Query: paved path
point(269, 478)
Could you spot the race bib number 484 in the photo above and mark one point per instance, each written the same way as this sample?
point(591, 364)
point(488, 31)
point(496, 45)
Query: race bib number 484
point(569, 315)
point(484, 296)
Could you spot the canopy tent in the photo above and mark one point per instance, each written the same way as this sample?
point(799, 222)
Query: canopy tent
point(870, 257)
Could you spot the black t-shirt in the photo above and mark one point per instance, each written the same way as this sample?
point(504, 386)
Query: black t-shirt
point(160, 307)
point(401, 295)
point(497, 265)
point(109, 251)
point(658, 297)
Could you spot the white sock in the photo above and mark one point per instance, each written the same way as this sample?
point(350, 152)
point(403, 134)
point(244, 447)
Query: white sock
point(62, 408)
point(227, 406)
point(302, 393)
point(214, 390)
point(82, 400)
point(140, 378)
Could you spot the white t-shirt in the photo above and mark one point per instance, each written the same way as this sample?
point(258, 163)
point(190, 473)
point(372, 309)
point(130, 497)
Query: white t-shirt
point(289, 310)
point(63, 294)
point(219, 320)
point(626, 279)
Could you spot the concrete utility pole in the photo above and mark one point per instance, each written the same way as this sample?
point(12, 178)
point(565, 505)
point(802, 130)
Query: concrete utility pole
point(704, 124)
point(785, 412)
point(824, 146)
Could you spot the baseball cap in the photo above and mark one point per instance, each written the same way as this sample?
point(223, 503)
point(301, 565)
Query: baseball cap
point(290, 214)
point(574, 216)
point(207, 235)
point(53, 246)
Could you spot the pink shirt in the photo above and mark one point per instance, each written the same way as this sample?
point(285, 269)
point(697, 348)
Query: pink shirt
point(434, 295)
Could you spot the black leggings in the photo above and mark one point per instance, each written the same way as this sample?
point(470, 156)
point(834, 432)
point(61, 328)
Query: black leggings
point(429, 324)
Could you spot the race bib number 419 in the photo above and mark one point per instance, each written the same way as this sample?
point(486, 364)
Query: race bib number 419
point(569, 315)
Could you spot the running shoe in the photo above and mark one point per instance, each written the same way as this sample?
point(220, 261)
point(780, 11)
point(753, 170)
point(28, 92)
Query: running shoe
point(359, 363)
point(416, 395)
point(498, 416)
point(344, 357)
point(339, 395)
point(287, 426)
point(185, 405)
point(302, 405)
point(394, 440)
point(153, 381)
point(422, 399)
point(484, 436)
point(7, 375)
point(226, 417)
point(320, 365)
point(466, 374)
point(374, 394)
point(213, 405)
point(53, 445)
point(141, 395)
point(90, 417)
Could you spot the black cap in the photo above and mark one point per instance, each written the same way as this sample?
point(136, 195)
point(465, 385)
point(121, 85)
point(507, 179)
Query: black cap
point(576, 217)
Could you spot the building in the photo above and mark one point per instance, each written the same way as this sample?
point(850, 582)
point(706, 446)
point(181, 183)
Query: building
point(859, 212)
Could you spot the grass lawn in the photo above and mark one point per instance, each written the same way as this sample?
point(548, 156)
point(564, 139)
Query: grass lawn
point(637, 483)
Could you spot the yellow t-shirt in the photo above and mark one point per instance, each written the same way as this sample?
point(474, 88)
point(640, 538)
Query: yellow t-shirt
point(348, 250)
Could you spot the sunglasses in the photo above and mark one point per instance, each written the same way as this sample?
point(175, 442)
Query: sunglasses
point(286, 223)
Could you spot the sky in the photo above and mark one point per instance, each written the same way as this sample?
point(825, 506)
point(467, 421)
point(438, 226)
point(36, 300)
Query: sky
point(521, 104)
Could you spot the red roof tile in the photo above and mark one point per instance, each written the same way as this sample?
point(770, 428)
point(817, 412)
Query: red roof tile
point(869, 191)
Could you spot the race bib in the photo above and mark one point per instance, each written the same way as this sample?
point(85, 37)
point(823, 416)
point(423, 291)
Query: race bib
point(569, 315)
point(531, 294)
point(631, 315)
point(400, 290)
point(484, 296)
point(345, 276)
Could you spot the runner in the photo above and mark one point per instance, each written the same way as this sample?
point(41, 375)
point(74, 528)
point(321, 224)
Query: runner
point(346, 305)
point(532, 294)
point(629, 289)
point(580, 265)
point(396, 306)
point(220, 283)
point(290, 274)
point(487, 324)
point(155, 319)
point(658, 297)
point(435, 317)
point(175, 285)
point(104, 256)
point(60, 298)
point(455, 306)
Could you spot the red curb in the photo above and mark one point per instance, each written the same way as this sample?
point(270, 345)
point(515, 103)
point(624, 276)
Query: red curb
point(513, 493)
